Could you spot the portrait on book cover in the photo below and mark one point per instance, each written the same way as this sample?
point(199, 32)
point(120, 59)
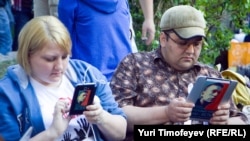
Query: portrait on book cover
point(83, 97)
point(211, 96)
point(209, 100)
point(207, 93)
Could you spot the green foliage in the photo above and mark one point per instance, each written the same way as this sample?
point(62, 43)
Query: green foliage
point(4, 65)
point(223, 18)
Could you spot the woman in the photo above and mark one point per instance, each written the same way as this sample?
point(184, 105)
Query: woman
point(38, 90)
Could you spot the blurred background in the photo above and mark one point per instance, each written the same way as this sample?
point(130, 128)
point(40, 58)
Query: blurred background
point(225, 18)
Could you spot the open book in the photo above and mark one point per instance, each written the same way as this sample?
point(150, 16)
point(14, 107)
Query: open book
point(207, 94)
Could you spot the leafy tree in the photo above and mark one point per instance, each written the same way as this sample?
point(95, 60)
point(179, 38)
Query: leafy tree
point(223, 18)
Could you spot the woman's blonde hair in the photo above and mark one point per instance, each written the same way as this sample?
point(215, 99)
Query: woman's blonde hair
point(37, 33)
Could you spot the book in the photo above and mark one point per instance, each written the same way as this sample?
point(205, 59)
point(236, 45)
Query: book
point(83, 96)
point(208, 93)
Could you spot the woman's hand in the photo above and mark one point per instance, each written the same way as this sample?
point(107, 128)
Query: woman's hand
point(60, 117)
point(94, 112)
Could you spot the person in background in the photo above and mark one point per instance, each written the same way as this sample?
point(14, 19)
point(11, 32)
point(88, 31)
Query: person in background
point(45, 7)
point(5, 27)
point(23, 12)
point(221, 61)
point(100, 30)
point(9, 12)
point(152, 87)
point(244, 70)
point(37, 91)
point(49, 7)
point(148, 26)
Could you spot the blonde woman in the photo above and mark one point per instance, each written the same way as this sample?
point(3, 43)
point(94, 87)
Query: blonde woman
point(38, 90)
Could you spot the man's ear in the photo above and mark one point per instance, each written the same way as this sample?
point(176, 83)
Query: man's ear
point(163, 39)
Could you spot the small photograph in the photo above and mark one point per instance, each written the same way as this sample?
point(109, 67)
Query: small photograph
point(83, 96)
point(81, 101)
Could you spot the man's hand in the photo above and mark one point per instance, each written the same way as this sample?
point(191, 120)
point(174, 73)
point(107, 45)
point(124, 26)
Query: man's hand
point(221, 116)
point(179, 110)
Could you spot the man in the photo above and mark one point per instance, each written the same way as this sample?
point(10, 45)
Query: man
point(152, 86)
point(101, 31)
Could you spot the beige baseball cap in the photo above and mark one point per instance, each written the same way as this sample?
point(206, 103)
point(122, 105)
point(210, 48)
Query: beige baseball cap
point(185, 20)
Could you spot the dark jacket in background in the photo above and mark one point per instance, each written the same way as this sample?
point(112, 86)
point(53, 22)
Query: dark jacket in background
point(2, 3)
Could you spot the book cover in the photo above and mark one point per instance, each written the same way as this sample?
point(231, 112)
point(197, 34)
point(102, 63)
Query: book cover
point(83, 96)
point(207, 94)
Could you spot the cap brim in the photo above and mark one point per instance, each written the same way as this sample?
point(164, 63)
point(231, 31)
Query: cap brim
point(189, 32)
